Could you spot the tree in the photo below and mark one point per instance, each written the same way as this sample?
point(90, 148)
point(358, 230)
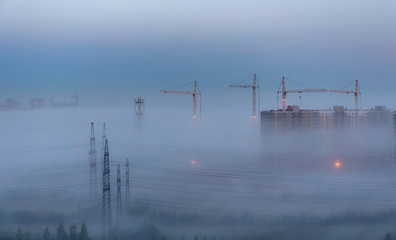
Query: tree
point(28, 236)
point(46, 234)
point(388, 236)
point(83, 233)
point(61, 233)
point(73, 234)
point(19, 234)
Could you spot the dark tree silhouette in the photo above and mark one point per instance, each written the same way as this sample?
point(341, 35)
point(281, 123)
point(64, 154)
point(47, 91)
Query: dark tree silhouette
point(83, 233)
point(46, 234)
point(19, 234)
point(61, 233)
point(388, 236)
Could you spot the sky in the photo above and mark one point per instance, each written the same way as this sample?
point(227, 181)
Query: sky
point(112, 52)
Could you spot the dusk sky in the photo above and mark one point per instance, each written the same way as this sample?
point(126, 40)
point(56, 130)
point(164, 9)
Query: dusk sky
point(113, 51)
point(196, 172)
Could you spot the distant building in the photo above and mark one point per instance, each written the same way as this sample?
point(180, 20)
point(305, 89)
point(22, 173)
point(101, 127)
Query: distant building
point(294, 119)
point(11, 104)
point(379, 116)
point(291, 119)
point(37, 103)
point(329, 134)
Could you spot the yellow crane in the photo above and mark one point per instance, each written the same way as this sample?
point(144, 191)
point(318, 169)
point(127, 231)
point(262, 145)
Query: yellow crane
point(356, 93)
point(254, 87)
point(284, 92)
point(194, 95)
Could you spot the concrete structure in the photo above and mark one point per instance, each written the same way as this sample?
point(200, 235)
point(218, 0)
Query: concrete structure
point(10, 104)
point(295, 119)
point(37, 103)
point(325, 135)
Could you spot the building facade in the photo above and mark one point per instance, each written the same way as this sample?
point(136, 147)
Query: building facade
point(323, 135)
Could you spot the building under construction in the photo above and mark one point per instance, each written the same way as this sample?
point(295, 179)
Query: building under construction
point(295, 119)
point(324, 136)
point(321, 136)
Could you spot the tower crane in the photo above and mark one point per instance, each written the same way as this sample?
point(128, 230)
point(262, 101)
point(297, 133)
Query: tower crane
point(254, 87)
point(194, 95)
point(356, 93)
point(76, 98)
point(284, 92)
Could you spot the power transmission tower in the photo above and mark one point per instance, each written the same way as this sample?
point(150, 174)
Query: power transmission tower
point(76, 98)
point(119, 208)
point(127, 196)
point(139, 110)
point(106, 197)
point(104, 137)
point(93, 181)
point(394, 143)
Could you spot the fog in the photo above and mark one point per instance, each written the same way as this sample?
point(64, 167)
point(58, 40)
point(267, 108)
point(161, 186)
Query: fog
point(214, 168)
point(222, 175)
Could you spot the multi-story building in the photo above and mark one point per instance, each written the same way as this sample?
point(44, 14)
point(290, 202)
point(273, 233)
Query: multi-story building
point(37, 103)
point(10, 104)
point(295, 119)
point(333, 132)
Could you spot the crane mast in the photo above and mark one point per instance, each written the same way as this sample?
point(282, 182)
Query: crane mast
point(356, 93)
point(254, 96)
point(284, 104)
point(254, 89)
point(194, 95)
point(195, 100)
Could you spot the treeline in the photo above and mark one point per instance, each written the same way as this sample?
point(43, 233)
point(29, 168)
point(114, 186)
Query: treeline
point(142, 220)
point(162, 217)
point(73, 233)
point(146, 232)
point(150, 232)
point(26, 217)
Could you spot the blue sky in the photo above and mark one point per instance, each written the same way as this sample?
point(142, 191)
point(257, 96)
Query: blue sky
point(111, 52)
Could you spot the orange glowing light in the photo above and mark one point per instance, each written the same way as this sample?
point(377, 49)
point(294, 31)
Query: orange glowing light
point(195, 117)
point(337, 164)
point(254, 117)
point(193, 162)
